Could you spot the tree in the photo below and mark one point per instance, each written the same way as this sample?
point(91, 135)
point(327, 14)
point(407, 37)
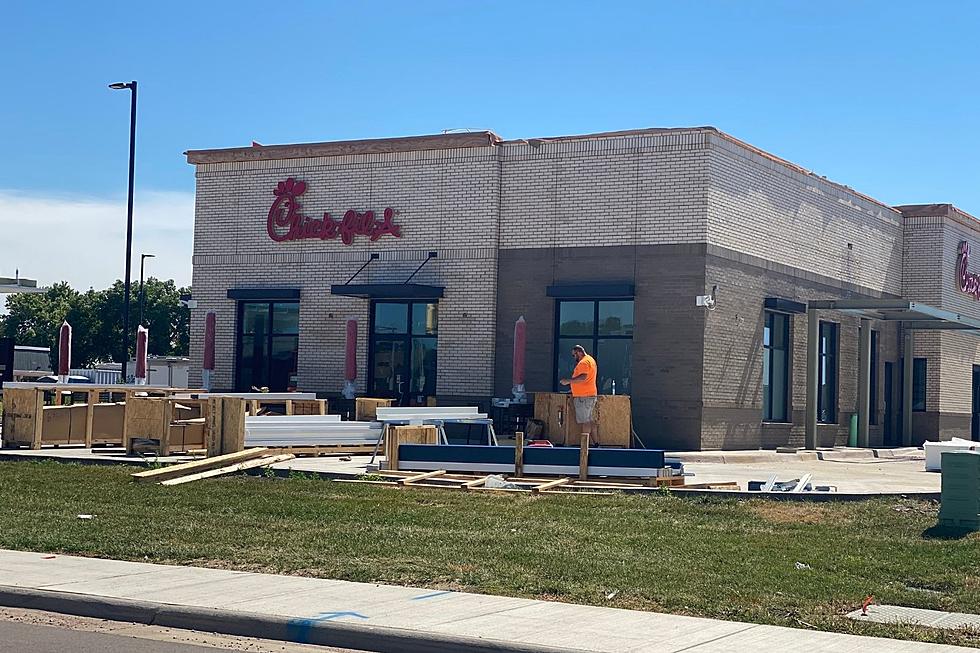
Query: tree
point(96, 318)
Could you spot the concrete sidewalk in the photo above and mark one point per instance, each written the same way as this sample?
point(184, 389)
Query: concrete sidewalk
point(381, 617)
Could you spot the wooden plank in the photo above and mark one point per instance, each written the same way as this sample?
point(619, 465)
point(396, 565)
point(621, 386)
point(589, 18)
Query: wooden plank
point(38, 419)
point(469, 485)
point(168, 418)
point(519, 454)
point(93, 398)
point(214, 462)
point(144, 418)
point(614, 421)
point(212, 427)
point(265, 461)
point(550, 484)
point(421, 477)
point(583, 457)
point(232, 425)
point(19, 415)
point(289, 406)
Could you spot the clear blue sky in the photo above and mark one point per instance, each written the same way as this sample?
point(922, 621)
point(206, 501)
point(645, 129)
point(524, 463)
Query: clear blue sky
point(882, 96)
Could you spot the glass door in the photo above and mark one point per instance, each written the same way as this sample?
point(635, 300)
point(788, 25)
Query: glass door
point(268, 346)
point(404, 350)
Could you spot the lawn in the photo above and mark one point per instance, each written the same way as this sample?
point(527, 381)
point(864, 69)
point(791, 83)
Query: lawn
point(716, 558)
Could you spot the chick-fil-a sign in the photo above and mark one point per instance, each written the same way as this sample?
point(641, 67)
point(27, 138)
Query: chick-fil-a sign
point(968, 282)
point(286, 222)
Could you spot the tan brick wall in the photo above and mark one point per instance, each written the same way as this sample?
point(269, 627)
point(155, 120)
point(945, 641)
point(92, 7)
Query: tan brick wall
point(629, 190)
point(761, 207)
point(446, 202)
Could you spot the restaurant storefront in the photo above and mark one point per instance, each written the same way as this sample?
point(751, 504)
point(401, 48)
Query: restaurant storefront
point(429, 249)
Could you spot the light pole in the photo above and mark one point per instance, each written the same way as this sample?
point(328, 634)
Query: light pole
point(129, 217)
point(143, 258)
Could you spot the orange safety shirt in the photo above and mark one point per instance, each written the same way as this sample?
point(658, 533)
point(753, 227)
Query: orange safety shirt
point(586, 388)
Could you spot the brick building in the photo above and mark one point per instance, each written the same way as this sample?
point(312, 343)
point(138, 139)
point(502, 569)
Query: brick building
point(438, 244)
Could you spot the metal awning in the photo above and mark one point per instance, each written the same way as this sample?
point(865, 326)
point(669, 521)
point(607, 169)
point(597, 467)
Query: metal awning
point(913, 315)
point(387, 291)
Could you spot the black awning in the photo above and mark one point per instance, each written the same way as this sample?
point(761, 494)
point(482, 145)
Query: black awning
point(263, 294)
point(592, 291)
point(387, 291)
point(784, 305)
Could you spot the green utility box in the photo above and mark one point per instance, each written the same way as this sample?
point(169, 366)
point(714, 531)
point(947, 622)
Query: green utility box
point(961, 490)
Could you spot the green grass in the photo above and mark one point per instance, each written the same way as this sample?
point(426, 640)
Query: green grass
point(716, 558)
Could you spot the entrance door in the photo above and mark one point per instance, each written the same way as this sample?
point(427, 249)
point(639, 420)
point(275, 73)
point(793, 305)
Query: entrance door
point(890, 428)
point(975, 426)
point(268, 345)
point(404, 337)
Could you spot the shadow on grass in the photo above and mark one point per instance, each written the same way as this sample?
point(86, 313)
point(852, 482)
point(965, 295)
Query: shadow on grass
point(939, 532)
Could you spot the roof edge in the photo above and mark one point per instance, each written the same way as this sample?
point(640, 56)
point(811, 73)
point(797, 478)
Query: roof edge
point(342, 148)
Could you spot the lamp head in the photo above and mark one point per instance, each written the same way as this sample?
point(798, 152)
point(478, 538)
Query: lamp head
point(119, 86)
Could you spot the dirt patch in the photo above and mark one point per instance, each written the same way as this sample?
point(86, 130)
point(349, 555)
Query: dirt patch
point(785, 512)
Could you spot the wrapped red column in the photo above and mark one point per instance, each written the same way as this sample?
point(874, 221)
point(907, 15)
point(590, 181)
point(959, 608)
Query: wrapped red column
point(350, 359)
point(64, 351)
point(520, 344)
point(207, 367)
point(142, 336)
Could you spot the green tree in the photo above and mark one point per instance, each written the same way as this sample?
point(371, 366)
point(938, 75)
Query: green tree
point(96, 317)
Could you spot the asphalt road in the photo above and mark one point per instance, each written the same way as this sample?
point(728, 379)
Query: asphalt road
point(27, 638)
point(31, 631)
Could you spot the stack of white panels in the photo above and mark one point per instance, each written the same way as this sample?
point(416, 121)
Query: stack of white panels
point(934, 451)
point(427, 413)
point(308, 431)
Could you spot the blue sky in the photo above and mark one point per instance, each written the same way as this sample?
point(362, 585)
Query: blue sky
point(882, 96)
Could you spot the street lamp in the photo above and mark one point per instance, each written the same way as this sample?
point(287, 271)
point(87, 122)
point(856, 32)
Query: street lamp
point(143, 258)
point(129, 217)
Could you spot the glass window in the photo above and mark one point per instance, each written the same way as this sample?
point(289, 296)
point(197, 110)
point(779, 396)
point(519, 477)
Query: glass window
point(775, 368)
point(255, 316)
point(576, 318)
point(403, 350)
point(918, 384)
point(616, 318)
point(827, 388)
point(424, 364)
point(605, 329)
point(285, 318)
point(268, 346)
point(390, 317)
point(425, 319)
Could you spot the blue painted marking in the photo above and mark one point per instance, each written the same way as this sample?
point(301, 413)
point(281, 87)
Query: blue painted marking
point(299, 629)
point(429, 596)
point(327, 616)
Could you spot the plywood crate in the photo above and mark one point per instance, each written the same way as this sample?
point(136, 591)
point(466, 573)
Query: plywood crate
point(366, 408)
point(613, 415)
point(397, 435)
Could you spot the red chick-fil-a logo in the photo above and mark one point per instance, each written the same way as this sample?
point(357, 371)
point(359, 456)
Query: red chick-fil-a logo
point(968, 282)
point(286, 222)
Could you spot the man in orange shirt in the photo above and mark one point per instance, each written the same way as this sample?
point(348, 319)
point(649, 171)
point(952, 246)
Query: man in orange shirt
point(584, 390)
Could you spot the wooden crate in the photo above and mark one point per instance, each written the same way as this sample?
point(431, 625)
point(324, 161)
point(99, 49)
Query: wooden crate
point(397, 435)
point(613, 415)
point(366, 408)
point(306, 407)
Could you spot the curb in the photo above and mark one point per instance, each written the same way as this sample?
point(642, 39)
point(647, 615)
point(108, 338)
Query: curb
point(379, 639)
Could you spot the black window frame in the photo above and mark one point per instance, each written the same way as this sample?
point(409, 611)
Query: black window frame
point(270, 337)
point(768, 412)
point(873, 386)
point(828, 360)
point(406, 338)
point(589, 342)
point(920, 387)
